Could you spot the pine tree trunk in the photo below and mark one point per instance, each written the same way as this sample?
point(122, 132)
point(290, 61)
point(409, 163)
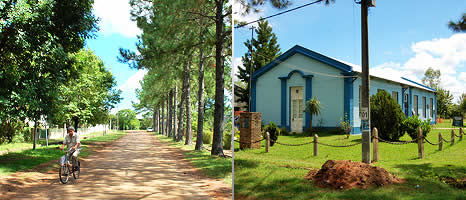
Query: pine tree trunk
point(167, 118)
point(161, 118)
point(175, 103)
point(200, 104)
point(183, 100)
point(189, 134)
point(154, 119)
point(217, 143)
point(169, 106)
point(158, 119)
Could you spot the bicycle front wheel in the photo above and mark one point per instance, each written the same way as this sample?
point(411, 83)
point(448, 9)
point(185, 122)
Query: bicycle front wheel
point(76, 172)
point(64, 174)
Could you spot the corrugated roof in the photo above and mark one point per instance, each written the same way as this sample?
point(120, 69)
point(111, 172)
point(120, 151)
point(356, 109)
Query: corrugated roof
point(389, 77)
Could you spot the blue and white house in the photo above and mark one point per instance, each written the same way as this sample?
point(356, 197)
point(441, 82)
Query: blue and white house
point(281, 88)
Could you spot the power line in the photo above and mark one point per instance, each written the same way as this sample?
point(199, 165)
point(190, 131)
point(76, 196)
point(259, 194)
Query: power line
point(241, 25)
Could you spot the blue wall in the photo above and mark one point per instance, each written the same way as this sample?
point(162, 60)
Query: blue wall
point(328, 90)
point(389, 86)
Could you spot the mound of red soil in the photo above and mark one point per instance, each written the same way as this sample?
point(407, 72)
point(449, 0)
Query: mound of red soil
point(345, 174)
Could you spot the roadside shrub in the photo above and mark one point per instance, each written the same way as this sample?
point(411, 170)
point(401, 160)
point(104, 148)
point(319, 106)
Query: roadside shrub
point(284, 131)
point(207, 137)
point(274, 132)
point(411, 124)
point(227, 141)
point(386, 115)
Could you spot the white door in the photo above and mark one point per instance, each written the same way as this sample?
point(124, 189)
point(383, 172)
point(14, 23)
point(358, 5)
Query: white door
point(297, 108)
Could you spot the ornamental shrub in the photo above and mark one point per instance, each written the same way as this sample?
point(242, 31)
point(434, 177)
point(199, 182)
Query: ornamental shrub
point(273, 130)
point(411, 124)
point(284, 131)
point(386, 115)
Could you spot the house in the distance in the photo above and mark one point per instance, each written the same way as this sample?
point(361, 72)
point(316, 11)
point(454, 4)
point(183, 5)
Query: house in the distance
point(281, 88)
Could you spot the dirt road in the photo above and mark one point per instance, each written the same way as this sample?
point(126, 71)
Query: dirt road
point(137, 166)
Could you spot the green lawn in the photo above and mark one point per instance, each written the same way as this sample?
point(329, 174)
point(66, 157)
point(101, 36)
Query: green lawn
point(447, 123)
point(215, 167)
point(278, 174)
point(27, 159)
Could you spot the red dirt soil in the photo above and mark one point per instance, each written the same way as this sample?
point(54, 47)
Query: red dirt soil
point(345, 174)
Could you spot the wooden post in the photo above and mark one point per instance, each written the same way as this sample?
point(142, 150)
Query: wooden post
point(316, 147)
point(267, 145)
point(440, 140)
point(375, 145)
point(452, 136)
point(461, 134)
point(420, 143)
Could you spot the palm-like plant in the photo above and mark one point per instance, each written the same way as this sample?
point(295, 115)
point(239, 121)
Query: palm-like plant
point(313, 107)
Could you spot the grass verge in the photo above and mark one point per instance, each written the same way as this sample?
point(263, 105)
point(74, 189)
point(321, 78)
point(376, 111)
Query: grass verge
point(28, 159)
point(214, 167)
point(447, 123)
point(279, 174)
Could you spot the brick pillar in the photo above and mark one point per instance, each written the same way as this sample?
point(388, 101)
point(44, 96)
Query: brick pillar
point(250, 130)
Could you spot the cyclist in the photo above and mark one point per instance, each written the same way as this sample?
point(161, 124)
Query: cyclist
point(72, 141)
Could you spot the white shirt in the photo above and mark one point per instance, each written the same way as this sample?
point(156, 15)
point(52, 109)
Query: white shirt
point(72, 141)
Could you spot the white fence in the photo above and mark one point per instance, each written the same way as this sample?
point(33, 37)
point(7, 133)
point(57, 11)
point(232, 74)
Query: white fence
point(56, 133)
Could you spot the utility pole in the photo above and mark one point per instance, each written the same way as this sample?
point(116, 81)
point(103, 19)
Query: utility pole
point(364, 112)
point(250, 69)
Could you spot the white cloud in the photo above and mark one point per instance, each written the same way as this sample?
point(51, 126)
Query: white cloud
point(236, 63)
point(115, 17)
point(463, 76)
point(128, 90)
point(446, 54)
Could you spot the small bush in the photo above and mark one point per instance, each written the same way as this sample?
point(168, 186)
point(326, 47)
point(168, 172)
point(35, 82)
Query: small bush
point(345, 125)
point(207, 137)
point(386, 115)
point(411, 124)
point(274, 132)
point(284, 131)
point(227, 141)
point(336, 131)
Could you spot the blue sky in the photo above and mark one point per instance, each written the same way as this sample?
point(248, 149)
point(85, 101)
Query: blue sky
point(117, 31)
point(405, 37)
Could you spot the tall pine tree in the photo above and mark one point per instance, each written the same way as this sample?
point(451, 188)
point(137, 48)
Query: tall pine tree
point(264, 50)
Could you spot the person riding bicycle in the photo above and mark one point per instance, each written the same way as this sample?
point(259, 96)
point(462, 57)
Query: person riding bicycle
point(72, 141)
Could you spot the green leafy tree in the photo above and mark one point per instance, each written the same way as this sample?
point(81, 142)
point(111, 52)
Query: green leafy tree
point(462, 102)
point(444, 102)
point(35, 39)
point(386, 115)
point(432, 78)
point(460, 25)
point(127, 120)
point(261, 51)
point(88, 97)
point(313, 107)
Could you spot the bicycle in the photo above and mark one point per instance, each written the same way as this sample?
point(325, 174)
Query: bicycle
point(66, 168)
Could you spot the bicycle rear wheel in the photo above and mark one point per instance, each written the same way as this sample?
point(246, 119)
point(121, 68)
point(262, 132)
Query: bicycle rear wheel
point(64, 173)
point(76, 172)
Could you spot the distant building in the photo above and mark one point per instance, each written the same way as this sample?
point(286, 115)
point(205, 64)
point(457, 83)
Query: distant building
point(281, 88)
